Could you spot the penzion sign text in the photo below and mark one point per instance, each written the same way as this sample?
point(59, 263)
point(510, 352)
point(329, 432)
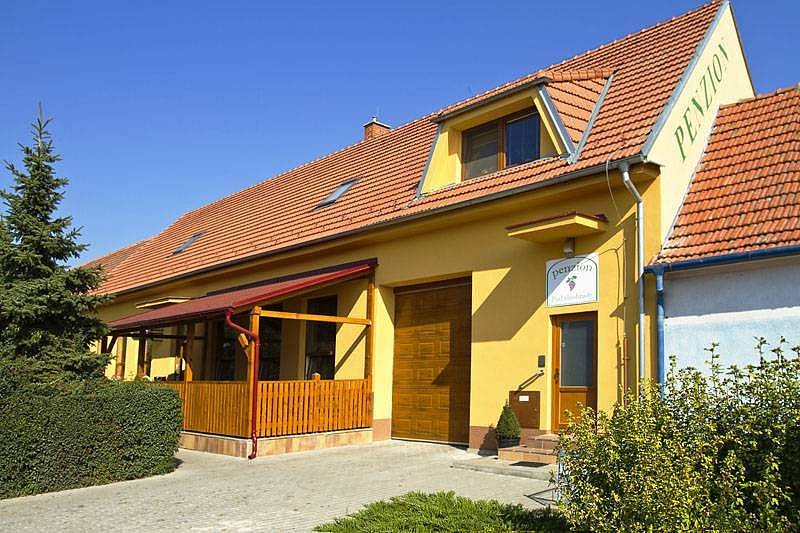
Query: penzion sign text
point(701, 106)
point(572, 280)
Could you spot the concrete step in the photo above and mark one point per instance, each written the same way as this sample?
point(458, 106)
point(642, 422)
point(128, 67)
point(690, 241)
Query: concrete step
point(548, 441)
point(494, 465)
point(527, 454)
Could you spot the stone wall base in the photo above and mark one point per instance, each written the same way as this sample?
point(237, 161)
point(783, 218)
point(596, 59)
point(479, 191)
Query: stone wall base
point(239, 447)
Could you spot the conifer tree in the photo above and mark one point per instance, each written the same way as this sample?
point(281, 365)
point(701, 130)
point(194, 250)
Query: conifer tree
point(47, 308)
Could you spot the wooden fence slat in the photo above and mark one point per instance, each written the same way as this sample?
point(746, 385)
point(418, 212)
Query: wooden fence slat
point(287, 400)
point(304, 417)
point(296, 410)
point(279, 407)
point(216, 407)
point(291, 407)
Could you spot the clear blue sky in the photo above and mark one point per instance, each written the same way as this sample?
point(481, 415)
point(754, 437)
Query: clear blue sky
point(161, 107)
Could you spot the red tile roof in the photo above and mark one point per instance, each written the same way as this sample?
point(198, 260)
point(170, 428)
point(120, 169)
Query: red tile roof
point(574, 101)
point(745, 195)
point(281, 212)
point(112, 260)
point(545, 76)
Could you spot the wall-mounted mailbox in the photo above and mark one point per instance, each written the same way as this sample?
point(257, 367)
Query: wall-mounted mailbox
point(526, 405)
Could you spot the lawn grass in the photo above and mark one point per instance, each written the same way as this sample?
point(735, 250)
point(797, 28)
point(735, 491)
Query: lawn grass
point(444, 511)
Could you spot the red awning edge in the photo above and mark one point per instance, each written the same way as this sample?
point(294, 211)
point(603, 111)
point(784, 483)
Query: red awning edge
point(216, 303)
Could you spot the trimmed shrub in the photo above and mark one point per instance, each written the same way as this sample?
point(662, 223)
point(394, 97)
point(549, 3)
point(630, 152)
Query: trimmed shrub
point(97, 433)
point(507, 424)
point(715, 452)
point(444, 511)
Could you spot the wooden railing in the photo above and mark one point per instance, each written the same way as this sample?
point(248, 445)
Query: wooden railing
point(284, 407)
point(177, 386)
point(218, 407)
point(311, 406)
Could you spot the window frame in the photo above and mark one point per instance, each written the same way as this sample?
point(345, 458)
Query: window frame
point(337, 193)
point(317, 305)
point(187, 243)
point(271, 346)
point(500, 124)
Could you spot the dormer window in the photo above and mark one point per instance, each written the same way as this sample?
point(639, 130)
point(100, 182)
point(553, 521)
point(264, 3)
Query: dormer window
point(508, 141)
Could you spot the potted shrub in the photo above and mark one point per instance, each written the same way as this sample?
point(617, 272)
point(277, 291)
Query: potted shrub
point(507, 430)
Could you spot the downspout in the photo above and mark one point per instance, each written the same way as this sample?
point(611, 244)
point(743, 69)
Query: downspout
point(624, 168)
point(660, 326)
point(256, 353)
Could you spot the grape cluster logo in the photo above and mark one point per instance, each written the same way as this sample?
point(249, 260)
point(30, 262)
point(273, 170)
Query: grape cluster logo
point(572, 280)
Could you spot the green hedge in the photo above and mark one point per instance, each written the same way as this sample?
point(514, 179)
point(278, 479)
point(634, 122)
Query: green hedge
point(98, 433)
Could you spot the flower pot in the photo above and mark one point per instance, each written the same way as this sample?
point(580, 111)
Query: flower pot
point(507, 442)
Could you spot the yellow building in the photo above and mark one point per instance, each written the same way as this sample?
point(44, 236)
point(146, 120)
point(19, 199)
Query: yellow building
point(409, 285)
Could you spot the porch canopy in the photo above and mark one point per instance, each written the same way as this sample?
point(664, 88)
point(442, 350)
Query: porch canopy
point(217, 303)
point(252, 406)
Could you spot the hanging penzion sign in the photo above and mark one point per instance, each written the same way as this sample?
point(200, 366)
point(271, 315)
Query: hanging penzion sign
point(572, 280)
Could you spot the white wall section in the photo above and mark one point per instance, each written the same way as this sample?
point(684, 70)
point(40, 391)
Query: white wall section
point(731, 306)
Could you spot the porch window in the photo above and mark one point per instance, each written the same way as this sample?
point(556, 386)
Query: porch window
point(269, 329)
point(506, 142)
point(321, 339)
point(225, 368)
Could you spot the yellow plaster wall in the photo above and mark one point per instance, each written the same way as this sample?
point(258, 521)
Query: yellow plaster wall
point(511, 325)
point(444, 167)
point(694, 112)
point(131, 357)
point(351, 338)
point(293, 342)
point(163, 356)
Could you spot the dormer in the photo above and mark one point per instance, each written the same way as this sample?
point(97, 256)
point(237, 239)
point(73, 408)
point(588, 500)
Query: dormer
point(512, 127)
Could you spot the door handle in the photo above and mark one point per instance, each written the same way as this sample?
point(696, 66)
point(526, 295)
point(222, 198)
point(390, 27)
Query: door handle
point(556, 375)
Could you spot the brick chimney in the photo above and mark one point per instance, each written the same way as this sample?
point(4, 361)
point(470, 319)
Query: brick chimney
point(373, 129)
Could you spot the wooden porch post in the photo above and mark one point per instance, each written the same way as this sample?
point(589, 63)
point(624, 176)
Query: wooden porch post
point(141, 366)
point(187, 352)
point(119, 369)
point(369, 347)
point(187, 373)
point(369, 357)
point(252, 376)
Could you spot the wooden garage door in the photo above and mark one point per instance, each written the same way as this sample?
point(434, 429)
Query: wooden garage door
point(430, 398)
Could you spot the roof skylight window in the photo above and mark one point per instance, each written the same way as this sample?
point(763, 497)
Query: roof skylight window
point(188, 243)
point(337, 193)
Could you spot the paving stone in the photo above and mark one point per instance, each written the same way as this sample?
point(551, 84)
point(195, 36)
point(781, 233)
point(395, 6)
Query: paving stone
point(293, 492)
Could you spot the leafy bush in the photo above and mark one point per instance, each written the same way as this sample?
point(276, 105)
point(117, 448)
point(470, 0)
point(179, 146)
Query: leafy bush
point(713, 453)
point(507, 424)
point(444, 511)
point(96, 433)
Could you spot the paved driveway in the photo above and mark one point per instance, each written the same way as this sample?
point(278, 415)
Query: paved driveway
point(282, 493)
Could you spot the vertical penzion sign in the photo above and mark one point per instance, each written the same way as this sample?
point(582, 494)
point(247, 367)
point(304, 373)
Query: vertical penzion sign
point(572, 280)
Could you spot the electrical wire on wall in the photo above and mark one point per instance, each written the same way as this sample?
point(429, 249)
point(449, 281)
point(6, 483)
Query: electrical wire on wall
point(624, 358)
